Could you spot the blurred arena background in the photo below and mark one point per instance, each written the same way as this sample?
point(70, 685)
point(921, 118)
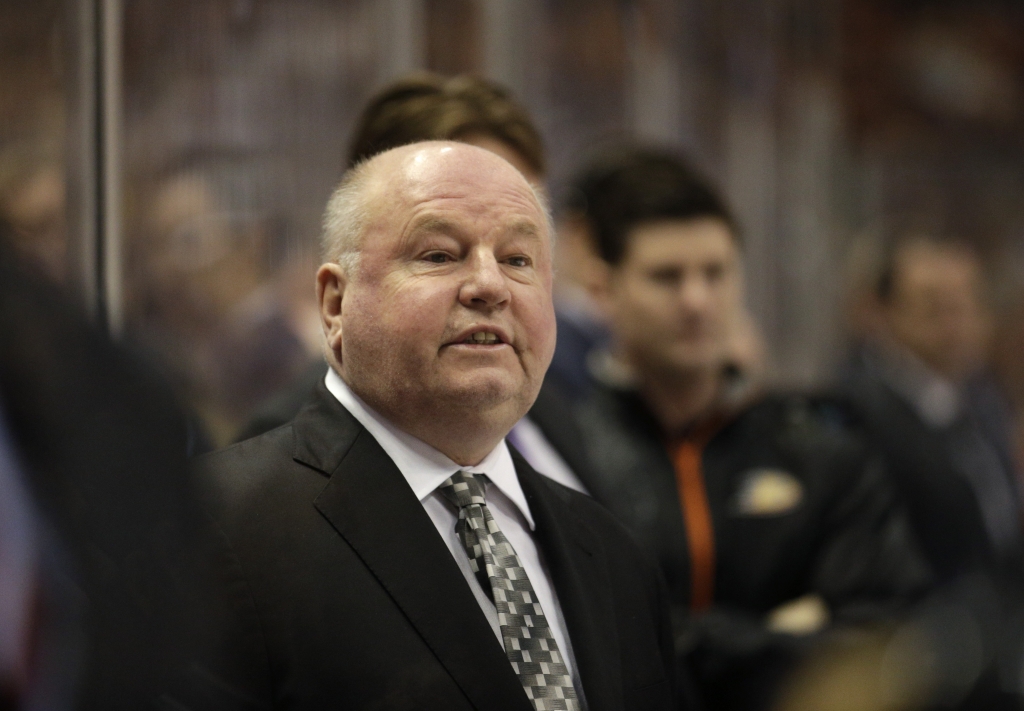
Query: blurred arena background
point(171, 160)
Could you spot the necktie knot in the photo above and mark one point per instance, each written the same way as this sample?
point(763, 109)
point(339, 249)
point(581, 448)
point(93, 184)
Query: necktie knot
point(464, 489)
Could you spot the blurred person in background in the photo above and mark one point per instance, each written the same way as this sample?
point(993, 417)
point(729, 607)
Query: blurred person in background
point(476, 111)
point(768, 523)
point(198, 288)
point(919, 389)
point(122, 603)
point(32, 202)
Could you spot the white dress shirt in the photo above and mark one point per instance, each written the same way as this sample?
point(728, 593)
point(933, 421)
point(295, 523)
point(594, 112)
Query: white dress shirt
point(425, 469)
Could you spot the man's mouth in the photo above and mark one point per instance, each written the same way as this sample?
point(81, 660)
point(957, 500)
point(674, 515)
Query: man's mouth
point(484, 338)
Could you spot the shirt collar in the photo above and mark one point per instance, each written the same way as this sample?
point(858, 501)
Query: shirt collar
point(424, 467)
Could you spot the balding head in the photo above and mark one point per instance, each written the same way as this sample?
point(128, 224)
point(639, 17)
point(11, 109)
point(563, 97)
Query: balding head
point(446, 327)
point(371, 189)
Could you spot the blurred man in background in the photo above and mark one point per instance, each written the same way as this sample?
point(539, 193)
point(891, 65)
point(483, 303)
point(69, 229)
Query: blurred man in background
point(919, 390)
point(476, 111)
point(767, 523)
point(32, 202)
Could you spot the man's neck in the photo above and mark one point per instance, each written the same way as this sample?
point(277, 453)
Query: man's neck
point(444, 436)
point(678, 399)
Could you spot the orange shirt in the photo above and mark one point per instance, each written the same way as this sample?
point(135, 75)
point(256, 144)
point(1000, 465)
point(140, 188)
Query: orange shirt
point(687, 456)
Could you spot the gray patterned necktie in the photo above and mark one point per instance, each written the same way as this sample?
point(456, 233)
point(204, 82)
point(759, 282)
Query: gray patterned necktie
point(528, 641)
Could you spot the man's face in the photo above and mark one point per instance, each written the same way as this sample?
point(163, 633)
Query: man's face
point(450, 305)
point(673, 298)
point(936, 309)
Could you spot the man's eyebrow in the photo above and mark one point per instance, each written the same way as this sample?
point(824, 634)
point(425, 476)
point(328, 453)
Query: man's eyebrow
point(436, 224)
point(523, 228)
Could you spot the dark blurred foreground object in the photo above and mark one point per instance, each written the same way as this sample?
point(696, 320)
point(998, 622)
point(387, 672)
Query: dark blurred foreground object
point(962, 650)
point(22, 683)
point(921, 396)
point(101, 445)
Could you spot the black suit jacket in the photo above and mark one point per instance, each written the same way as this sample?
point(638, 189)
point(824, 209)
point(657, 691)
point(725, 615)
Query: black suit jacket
point(346, 597)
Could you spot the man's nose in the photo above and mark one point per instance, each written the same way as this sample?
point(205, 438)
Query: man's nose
point(694, 293)
point(485, 285)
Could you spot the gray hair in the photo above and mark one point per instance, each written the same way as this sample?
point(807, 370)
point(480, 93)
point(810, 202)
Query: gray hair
point(348, 212)
point(345, 219)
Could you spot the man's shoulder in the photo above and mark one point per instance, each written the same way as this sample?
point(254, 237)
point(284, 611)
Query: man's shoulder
point(253, 453)
point(625, 450)
point(616, 426)
point(290, 464)
point(804, 423)
point(608, 406)
point(244, 470)
point(316, 440)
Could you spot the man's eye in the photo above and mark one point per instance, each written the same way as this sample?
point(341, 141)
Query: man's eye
point(438, 258)
point(518, 261)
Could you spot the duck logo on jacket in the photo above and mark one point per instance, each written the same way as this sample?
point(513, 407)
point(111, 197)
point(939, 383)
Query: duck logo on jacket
point(767, 492)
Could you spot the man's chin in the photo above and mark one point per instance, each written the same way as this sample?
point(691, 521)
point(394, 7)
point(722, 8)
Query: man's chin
point(485, 391)
point(697, 361)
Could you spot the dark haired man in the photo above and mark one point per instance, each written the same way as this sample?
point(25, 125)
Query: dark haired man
point(762, 517)
point(427, 106)
point(919, 390)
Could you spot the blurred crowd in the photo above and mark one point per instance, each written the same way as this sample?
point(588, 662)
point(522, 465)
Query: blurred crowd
point(859, 546)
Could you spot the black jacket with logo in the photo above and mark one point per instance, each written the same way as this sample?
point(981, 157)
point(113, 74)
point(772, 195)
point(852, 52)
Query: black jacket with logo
point(797, 508)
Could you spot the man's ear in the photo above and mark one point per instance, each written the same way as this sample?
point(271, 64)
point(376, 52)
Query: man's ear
point(330, 289)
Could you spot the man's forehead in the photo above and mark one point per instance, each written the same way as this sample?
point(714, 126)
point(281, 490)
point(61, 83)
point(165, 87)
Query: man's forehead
point(681, 240)
point(455, 176)
point(457, 172)
point(430, 161)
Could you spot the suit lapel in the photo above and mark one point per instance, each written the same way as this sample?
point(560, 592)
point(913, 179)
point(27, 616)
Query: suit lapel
point(369, 503)
point(579, 571)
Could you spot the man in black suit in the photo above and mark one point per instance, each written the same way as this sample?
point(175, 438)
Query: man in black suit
point(387, 549)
